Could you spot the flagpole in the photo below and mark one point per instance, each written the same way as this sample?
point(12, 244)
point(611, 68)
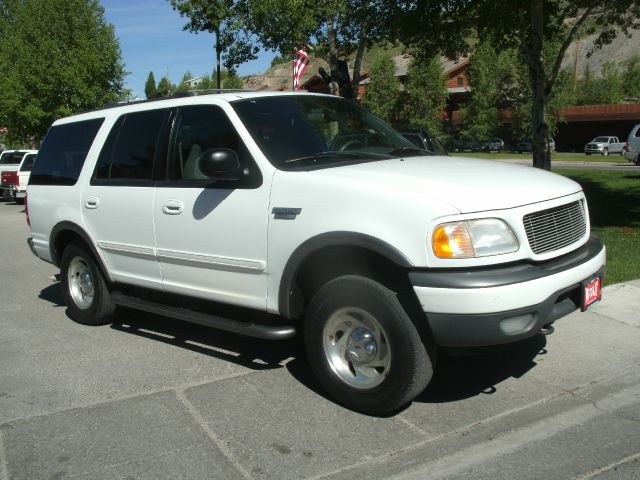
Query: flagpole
point(293, 74)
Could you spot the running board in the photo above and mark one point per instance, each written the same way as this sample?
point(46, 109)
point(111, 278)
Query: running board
point(266, 332)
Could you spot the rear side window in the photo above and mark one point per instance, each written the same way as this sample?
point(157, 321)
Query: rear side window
point(637, 134)
point(11, 158)
point(28, 162)
point(130, 149)
point(63, 152)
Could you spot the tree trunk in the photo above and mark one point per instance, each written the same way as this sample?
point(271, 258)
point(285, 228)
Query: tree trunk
point(218, 84)
point(362, 45)
point(333, 50)
point(539, 128)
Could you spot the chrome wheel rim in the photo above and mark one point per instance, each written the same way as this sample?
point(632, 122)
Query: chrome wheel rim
point(356, 347)
point(80, 283)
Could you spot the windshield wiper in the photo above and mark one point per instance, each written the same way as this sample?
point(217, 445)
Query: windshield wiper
point(412, 151)
point(331, 154)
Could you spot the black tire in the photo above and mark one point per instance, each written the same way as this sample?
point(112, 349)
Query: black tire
point(605, 152)
point(410, 361)
point(587, 153)
point(86, 306)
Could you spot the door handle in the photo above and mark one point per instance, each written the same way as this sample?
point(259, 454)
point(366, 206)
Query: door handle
point(91, 203)
point(173, 207)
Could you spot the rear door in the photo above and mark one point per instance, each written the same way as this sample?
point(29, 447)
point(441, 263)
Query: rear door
point(117, 205)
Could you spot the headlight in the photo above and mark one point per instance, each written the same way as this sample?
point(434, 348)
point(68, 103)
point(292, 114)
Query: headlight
point(473, 238)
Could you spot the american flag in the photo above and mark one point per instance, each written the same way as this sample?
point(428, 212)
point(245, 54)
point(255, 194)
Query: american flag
point(300, 64)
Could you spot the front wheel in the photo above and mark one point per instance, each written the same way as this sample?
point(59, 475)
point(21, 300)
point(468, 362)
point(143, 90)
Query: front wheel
point(84, 288)
point(363, 347)
point(605, 152)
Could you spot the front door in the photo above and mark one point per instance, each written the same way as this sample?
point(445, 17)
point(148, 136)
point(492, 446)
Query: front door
point(211, 236)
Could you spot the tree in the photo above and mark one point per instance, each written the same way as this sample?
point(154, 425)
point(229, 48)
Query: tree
point(164, 87)
point(227, 20)
point(631, 78)
point(526, 26)
point(233, 81)
point(338, 28)
point(426, 95)
point(382, 91)
point(57, 58)
point(150, 86)
point(482, 113)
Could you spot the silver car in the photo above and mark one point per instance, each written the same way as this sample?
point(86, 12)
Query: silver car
point(632, 152)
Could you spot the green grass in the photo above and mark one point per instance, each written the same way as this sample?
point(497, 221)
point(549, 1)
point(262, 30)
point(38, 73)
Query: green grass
point(614, 208)
point(557, 157)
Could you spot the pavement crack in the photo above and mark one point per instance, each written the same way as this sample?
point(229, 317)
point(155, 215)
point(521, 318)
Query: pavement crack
point(607, 468)
point(4, 472)
point(211, 434)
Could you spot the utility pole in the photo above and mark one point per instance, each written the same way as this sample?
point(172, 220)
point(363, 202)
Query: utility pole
point(218, 85)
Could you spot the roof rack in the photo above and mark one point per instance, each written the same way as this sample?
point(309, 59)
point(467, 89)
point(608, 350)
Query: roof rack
point(176, 94)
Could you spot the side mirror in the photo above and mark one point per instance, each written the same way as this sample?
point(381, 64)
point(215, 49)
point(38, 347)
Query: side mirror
point(220, 164)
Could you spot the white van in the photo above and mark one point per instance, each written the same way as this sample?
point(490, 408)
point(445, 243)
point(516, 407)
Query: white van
point(633, 145)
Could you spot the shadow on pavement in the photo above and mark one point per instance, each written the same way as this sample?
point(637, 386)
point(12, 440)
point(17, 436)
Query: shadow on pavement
point(456, 377)
point(460, 377)
point(53, 294)
point(246, 351)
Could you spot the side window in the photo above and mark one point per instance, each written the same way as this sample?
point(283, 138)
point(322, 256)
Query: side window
point(637, 134)
point(198, 129)
point(130, 149)
point(63, 152)
point(28, 162)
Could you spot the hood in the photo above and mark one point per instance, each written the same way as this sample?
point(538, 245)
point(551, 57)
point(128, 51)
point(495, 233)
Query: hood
point(468, 184)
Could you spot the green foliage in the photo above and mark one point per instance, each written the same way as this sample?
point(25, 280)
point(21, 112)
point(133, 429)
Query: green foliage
point(631, 77)
point(606, 88)
point(426, 95)
point(382, 92)
point(232, 81)
point(227, 19)
point(482, 114)
point(164, 87)
point(528, 27)
point(150, 86)
point(57, 58)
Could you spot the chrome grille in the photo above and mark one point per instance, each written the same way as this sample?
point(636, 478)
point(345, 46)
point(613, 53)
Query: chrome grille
point(554, 228)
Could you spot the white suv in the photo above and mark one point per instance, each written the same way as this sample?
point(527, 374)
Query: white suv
point(310, 210)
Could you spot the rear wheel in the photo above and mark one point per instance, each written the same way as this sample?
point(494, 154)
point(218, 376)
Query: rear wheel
point(84, 288)
point(363, 347)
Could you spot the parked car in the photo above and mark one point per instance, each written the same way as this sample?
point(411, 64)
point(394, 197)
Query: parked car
point(493, 145)
point(525, 146)
point(604, 145)
point(632, 152)
point(424, 140)
point(467, 146)
point(9, 163)
point(308, 214)
point(23, 174)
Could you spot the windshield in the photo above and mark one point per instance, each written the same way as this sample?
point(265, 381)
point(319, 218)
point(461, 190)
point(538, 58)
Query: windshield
point(305, 131)
point(600, 140)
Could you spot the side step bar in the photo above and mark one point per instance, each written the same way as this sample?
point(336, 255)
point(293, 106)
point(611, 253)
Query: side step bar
point(266, 332)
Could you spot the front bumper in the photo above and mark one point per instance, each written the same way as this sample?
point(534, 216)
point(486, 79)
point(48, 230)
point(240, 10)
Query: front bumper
point(497, 305)
point(594, 150)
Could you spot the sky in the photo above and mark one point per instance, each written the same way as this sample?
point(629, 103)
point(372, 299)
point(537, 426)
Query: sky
point(152, 40)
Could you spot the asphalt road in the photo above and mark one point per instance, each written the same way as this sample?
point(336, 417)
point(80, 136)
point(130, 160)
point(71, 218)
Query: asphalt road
point(151, 398)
